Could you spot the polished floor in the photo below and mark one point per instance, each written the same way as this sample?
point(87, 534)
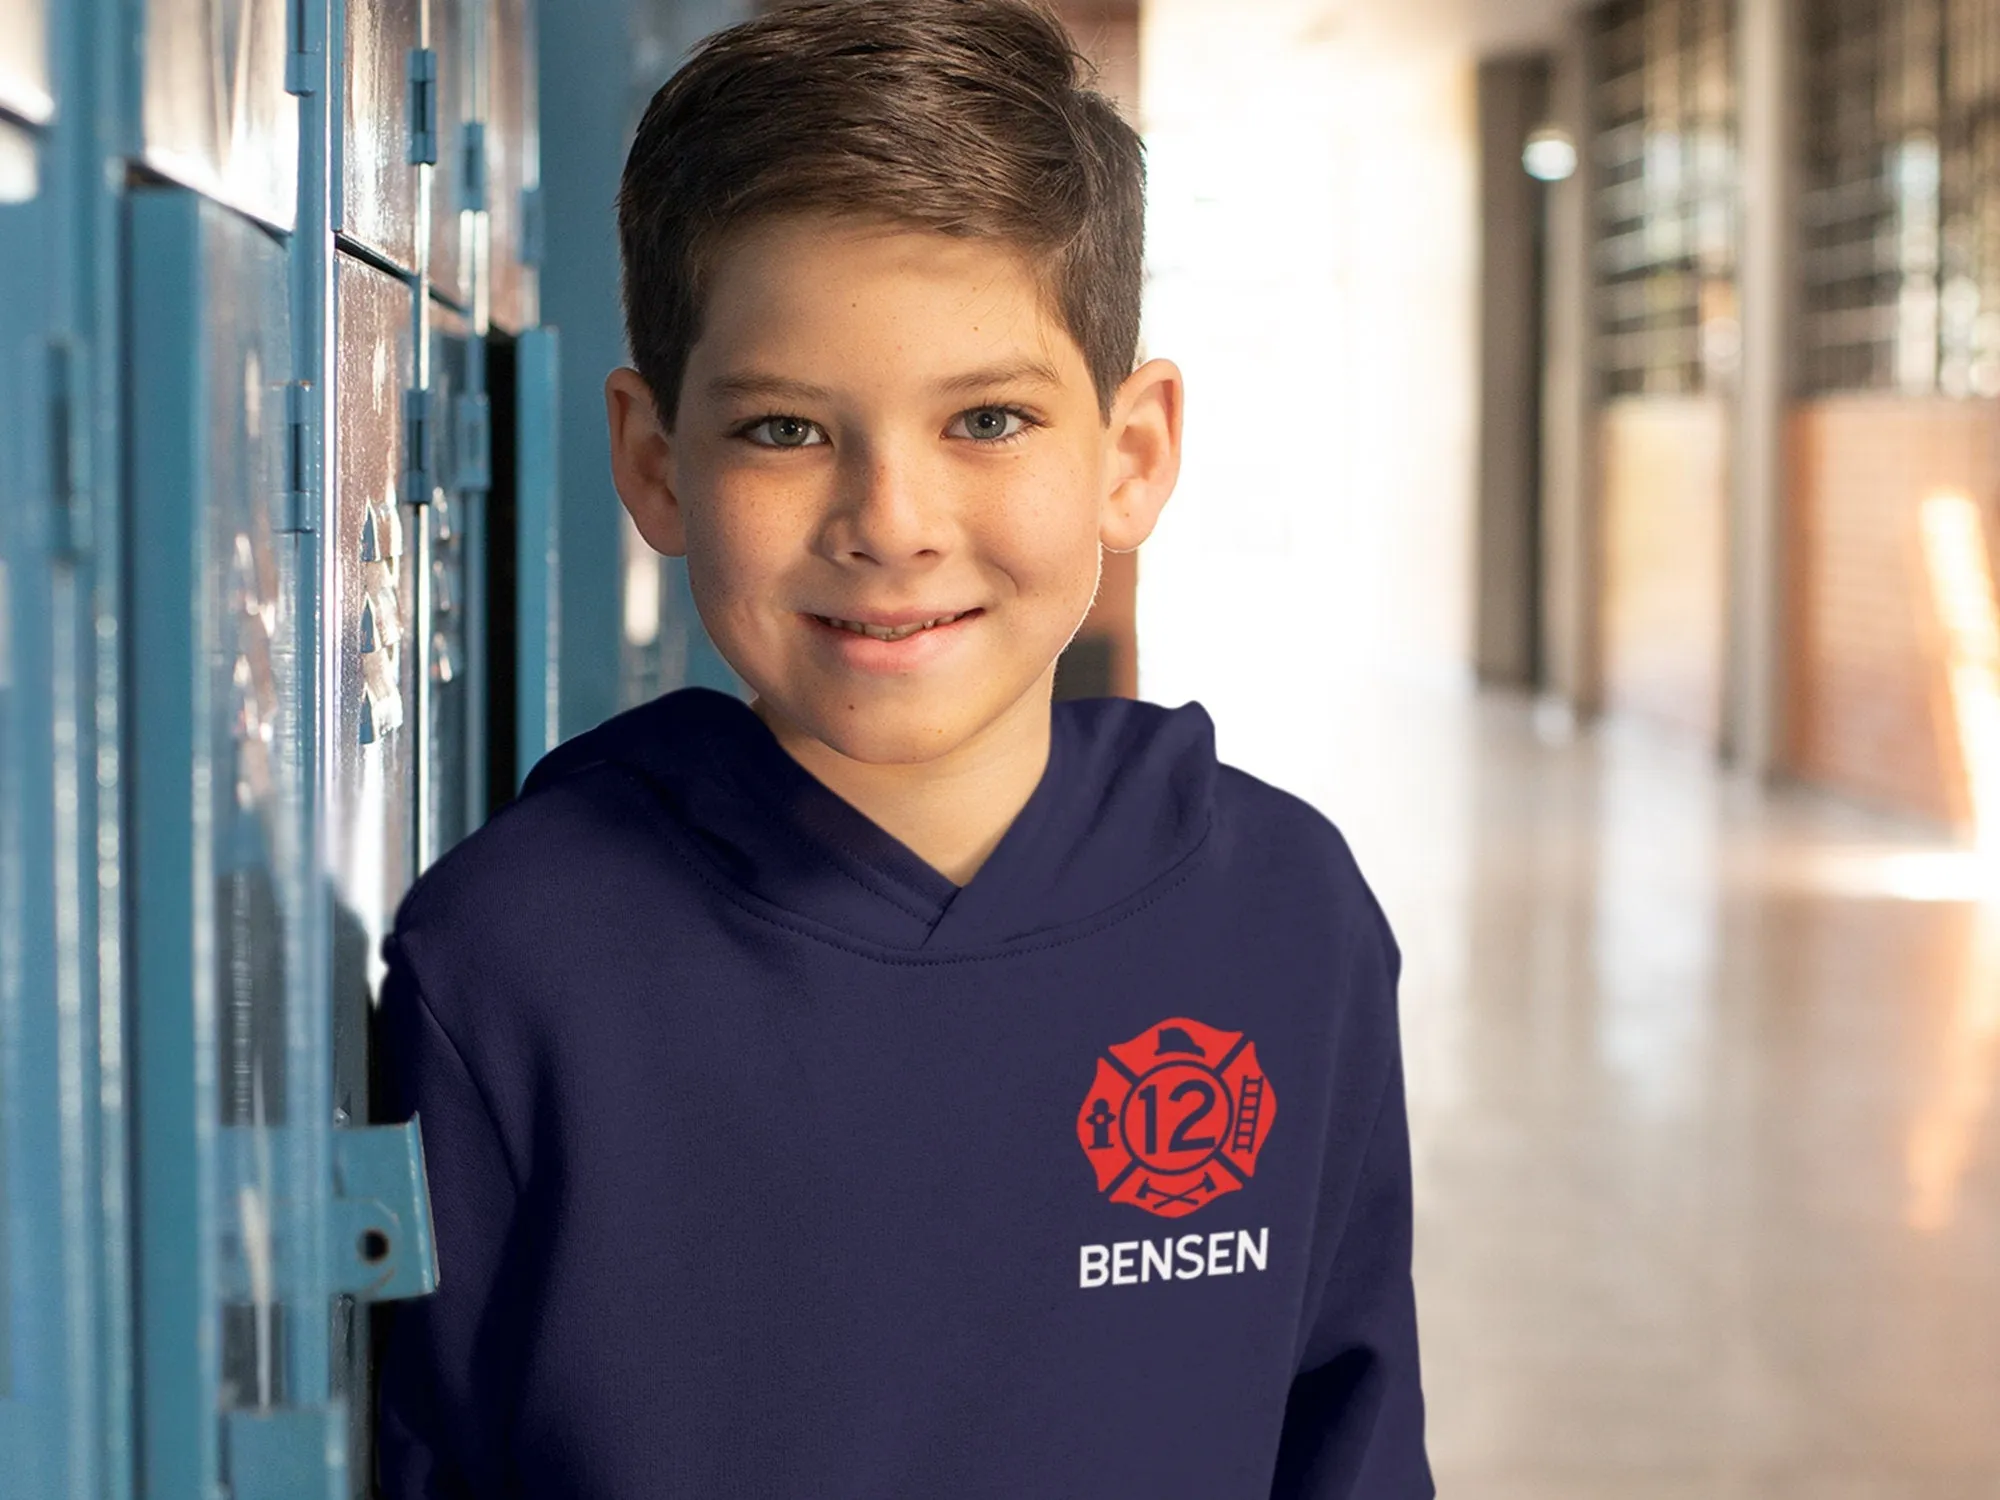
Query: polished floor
point(1703, 1113)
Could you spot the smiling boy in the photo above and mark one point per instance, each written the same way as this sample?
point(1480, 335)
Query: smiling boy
point(899, 1085)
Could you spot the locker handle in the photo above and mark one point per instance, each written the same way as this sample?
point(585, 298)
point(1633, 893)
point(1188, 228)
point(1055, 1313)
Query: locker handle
point(381, 1244)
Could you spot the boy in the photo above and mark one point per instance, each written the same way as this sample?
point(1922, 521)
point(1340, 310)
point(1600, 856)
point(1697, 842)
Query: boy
point(897, 1086)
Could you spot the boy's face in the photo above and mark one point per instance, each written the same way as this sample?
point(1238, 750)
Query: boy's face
point(885, 426)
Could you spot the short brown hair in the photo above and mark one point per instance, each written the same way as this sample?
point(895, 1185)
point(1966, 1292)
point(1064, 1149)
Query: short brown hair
point(967, 117)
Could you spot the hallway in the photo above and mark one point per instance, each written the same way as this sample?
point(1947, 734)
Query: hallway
point(1701, 1083)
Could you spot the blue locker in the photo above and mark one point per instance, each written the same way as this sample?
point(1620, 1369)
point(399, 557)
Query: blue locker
point(214, 113)
point(369, 603)
point(373, 746)
point(265, 1222)
point(450, 789)
point(261, 564)
point(36, 1358)
point(64, 1381)
point(233, 1134)
point(377, 202)
point(458, 185)
point(513, 165)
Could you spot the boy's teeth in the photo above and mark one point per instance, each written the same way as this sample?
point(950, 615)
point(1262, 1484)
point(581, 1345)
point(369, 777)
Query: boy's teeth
point(888, 632)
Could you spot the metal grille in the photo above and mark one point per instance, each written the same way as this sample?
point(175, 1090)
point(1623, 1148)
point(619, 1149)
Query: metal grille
point(1664, 126)
point(1901, 217)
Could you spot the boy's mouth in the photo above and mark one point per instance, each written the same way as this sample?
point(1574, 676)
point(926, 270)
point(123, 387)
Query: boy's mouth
point(892, 632)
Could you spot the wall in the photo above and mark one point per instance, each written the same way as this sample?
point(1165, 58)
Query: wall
point(1312, 259)
point(1870, 711)
point(1665, 498)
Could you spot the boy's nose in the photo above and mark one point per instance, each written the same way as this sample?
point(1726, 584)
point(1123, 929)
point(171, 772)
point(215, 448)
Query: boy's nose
point(890, 508)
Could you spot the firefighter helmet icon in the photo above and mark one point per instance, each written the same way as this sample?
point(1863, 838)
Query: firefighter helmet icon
point(1176, 1116)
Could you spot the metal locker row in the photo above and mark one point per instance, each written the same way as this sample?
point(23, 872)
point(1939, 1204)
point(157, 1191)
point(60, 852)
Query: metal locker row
point(460, 72)
point(232, 1122)
point(254, 565)
point(64, 1240)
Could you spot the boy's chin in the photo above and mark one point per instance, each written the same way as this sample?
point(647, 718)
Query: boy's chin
point(893, 730)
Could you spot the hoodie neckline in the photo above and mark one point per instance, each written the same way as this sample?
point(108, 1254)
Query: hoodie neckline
point(1126, 793)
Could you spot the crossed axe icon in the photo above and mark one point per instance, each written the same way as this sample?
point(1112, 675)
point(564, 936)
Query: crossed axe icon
point(1148, 1190)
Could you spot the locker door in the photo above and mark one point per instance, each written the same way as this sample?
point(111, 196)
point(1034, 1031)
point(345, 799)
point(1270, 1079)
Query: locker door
point(458, 185)
point(378, 180)
point(64, 1414)
point(38, 1362)
point(369, 608)
point(373, 724)
point(26, 88)
point(232, 1136)
point(452, 747)
point(513, 153)
point(214, 111)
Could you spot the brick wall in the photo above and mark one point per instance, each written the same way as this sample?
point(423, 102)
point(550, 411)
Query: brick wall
point(1868, 712)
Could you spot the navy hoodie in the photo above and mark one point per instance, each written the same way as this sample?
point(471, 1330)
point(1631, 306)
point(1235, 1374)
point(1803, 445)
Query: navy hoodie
point(765, 1161)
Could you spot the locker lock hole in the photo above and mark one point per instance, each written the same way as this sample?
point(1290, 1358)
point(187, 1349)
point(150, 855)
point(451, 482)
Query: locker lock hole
point(374, 1246)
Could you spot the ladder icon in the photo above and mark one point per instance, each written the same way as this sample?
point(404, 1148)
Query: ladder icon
point(1244, 1136)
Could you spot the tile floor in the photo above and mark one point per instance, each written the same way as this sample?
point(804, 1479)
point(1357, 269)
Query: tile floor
point(1703, 1113)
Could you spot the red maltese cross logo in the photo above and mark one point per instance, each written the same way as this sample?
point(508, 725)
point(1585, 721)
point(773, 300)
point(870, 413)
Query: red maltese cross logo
point(1176, 1116)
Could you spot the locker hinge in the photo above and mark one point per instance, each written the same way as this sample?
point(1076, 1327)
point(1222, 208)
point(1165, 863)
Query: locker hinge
point(305, 23)
point(290, 1453)
point(69, 457)
point(423, 106)
point(531, 226)
point(417, 472)
point(297, 510)
point(472, 166)
point(380, 1217)
point(473, 439)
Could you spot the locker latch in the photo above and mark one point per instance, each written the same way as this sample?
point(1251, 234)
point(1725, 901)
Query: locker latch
point(380, 1216)
point(423, 106)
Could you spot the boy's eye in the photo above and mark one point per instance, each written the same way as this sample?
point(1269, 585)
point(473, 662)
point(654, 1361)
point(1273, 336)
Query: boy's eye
point(784, 432)
point(988, 424)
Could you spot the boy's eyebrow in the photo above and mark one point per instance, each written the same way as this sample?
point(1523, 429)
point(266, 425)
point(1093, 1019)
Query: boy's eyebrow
point(757, 383)
point(1025, 371)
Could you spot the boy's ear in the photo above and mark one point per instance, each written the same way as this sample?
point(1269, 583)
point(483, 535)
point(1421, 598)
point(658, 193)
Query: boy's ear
point(1144, 455)
point(642, 462)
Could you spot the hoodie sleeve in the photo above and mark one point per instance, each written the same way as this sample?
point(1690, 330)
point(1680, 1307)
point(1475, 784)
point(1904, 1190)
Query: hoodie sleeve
point(446, 1357)
point(1354, 1422)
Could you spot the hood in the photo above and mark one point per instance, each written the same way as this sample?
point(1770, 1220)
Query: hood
point(1128, 794)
